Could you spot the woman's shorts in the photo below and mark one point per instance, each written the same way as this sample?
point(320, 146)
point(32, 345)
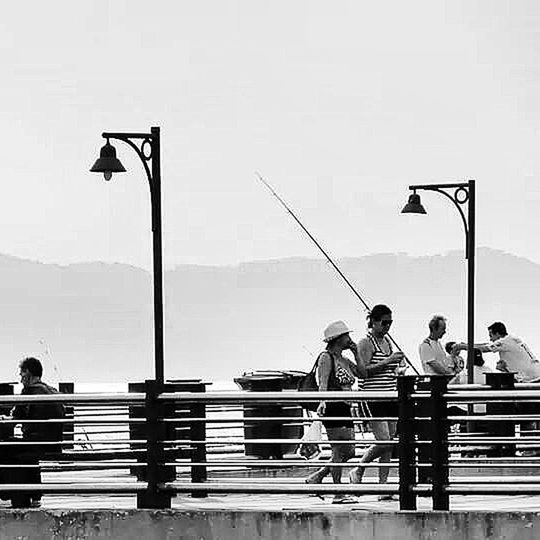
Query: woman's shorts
point(380, 409)
point(337, 408)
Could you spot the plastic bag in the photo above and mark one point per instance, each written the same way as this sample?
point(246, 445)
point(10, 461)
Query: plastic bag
point(310, 448)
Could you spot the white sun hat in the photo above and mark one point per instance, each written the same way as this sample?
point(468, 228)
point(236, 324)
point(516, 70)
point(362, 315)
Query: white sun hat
point(335, 329)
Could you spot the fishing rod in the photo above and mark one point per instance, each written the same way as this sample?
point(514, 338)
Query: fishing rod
point(329, 259)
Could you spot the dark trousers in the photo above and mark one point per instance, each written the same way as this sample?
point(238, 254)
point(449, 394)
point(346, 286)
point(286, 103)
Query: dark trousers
point(25, 469)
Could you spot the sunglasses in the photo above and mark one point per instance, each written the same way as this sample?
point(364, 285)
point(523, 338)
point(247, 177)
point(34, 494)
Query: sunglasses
point(386, 323)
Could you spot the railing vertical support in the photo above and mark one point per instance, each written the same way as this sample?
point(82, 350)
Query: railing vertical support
point(439, 429)
point(68, 428)
point(502, 381)
point(406, 443)
point(155, 433)
point(198, 433)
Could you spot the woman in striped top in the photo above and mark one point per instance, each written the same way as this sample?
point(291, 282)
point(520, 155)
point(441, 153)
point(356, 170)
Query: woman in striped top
point(382, 366)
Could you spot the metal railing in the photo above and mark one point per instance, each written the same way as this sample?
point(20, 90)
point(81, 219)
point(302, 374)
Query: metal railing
point(245, 442)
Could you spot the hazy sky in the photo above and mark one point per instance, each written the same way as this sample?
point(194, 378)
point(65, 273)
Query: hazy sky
point(341, 105)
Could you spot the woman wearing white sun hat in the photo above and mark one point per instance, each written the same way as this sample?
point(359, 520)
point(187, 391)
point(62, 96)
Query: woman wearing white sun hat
point(336, 372)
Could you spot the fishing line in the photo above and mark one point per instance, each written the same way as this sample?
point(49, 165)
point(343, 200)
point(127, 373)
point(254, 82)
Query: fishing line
point(329, 259)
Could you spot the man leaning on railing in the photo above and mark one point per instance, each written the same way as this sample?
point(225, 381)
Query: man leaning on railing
point(516, 357)
point(28, 455)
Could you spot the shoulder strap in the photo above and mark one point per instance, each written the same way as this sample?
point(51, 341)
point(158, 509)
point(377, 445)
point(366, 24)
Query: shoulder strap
point(332, 383)
point(316, 364)
point(374, 343)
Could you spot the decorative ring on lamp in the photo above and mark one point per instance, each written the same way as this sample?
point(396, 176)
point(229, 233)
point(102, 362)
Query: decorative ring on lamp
point(146, 149)
point(461, 195)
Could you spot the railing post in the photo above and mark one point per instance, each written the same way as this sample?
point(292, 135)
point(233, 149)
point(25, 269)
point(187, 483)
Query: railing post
point(68, 427)
point(155, 432)
point(406, 443)
point(439, 429)
point(198, 433)
point(423, 414)
point(502, 381)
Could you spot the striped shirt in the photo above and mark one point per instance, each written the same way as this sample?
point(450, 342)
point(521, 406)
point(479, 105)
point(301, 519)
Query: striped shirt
point(384, 380)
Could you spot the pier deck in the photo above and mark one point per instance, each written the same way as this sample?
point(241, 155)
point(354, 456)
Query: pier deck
point(268, 502)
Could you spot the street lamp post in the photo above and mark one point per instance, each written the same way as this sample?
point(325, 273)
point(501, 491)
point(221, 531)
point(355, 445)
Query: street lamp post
point(460, 194)
point(147, 147)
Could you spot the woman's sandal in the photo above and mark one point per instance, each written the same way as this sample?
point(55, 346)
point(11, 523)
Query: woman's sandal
point(355, 477)
point(307, 481)
point(344, 499)
point(387, 497)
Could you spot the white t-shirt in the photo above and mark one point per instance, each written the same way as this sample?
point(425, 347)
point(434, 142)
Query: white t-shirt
point(431, 352)
point(517, 357)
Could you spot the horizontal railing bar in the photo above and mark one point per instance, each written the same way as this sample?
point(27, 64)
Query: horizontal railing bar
point(496, 480)
point(22, 442)
point(492, 440)
point(487, 465)
point(471, 387)
point(70, 421)
point(277, 397)
point(299, 419)
point(497, 418)
point(502, 459)
point(217, 450)
point(502, 395)
point(78, 487)
point(275, 441)
point(280, 463)
point(53, 465)
point(102, 407)
point(493, 489)
point(275, 488)
point(73, 398)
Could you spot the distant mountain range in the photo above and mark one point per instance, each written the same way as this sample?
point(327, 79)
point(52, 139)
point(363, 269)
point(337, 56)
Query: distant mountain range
point(93, 322)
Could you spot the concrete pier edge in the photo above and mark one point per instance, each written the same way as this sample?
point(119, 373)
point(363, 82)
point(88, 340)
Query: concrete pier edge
point(243, 525)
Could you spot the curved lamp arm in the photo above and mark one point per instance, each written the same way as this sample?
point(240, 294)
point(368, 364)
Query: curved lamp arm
point(457, 201)
point(147, 139)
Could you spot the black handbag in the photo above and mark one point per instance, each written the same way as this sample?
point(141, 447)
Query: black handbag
point(308, 383)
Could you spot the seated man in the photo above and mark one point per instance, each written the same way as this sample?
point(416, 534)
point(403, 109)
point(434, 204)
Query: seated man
point(31, 371)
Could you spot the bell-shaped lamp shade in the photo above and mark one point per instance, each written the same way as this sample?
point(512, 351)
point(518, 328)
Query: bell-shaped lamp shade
point(108, 163)
point(414, 206)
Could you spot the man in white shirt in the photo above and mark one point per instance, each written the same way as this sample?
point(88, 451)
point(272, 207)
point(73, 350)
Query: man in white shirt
point(432, 354)
point(514, 355)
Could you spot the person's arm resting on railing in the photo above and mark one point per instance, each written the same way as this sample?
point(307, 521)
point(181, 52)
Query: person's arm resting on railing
point(496, 346)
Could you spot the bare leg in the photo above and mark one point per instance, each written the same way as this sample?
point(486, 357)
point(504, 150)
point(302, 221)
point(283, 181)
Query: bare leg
point(386, 456)
point(382, 432)
point(340, 454)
